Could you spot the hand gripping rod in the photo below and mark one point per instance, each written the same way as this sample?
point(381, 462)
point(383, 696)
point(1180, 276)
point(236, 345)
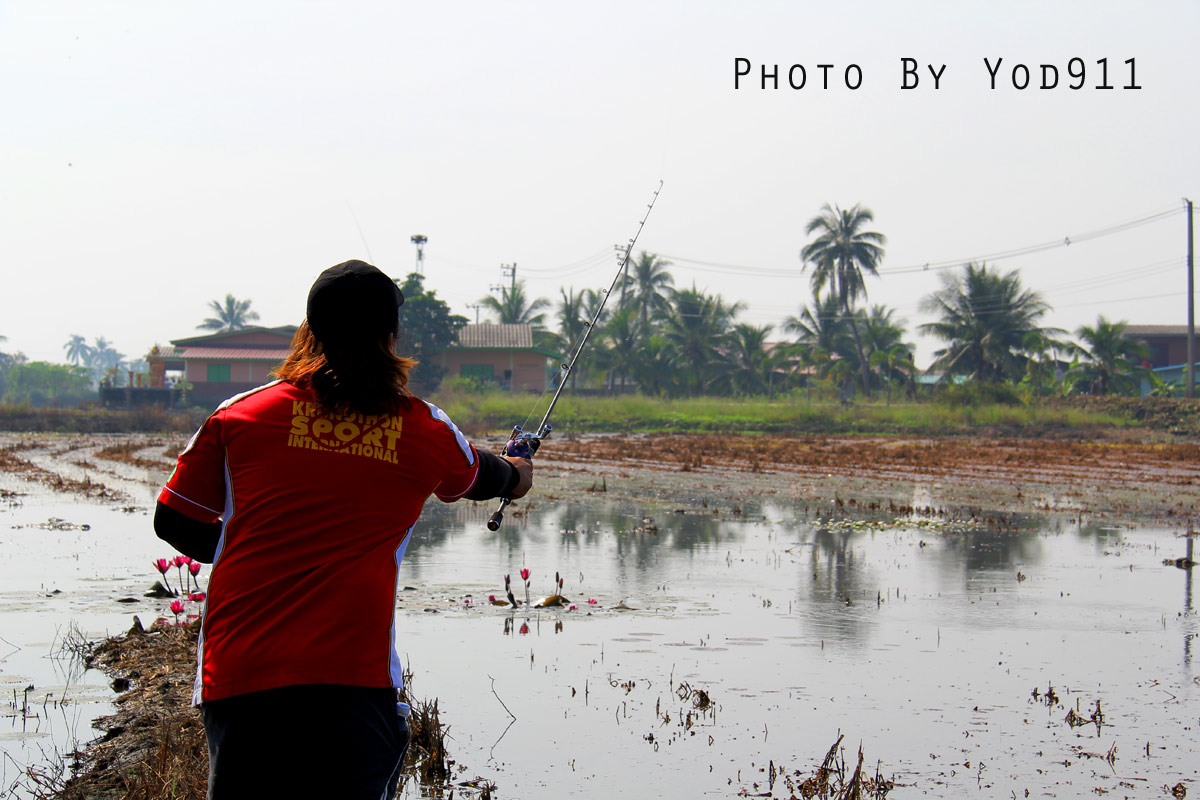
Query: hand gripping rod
point(523, 444)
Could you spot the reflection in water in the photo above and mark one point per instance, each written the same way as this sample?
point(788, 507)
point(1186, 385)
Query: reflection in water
point(1187, 601)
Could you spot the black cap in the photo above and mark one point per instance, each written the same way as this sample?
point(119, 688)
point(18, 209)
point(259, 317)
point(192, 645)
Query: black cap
point(353, 302)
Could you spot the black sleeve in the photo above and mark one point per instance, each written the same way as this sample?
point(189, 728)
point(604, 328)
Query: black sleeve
point(497, 477)
point(190, 537)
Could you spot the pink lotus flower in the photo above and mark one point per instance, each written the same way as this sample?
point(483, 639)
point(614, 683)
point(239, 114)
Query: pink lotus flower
point(181, 561)
point(571, 608)
point(524, 628)
point(162, 565)
point(193, 571)
point(525, 577)
point(177, 608)
point(591, 601)
point(197, 597)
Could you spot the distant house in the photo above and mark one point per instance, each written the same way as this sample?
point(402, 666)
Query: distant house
point(500, 354)
point(1167, 343)
point(220, 365)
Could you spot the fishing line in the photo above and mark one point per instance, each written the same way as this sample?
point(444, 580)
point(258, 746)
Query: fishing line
point(354, 216)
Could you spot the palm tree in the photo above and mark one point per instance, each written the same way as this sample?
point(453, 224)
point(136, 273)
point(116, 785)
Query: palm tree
point(820, 326)
point(1113, 362)
point(592, 298)
point(892, 360)
point(1042, 362)
point(744, 366)
point(571, 325)
point(232, 315)
point(571, 322)
point(102, 356)
point(882, 333)
point(654, 368)
point(652, 286)
point(514, 308)
point(985, 318)
point(622, 338)
point(693, 327)
point(78, 350)
point(839, 255)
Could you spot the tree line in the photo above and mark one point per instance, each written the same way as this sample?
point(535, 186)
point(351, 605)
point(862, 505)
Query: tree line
point(669, 341)
point(673, 341)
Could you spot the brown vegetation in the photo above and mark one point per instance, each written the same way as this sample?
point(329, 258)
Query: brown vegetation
point(10, 462)
point(154, 748)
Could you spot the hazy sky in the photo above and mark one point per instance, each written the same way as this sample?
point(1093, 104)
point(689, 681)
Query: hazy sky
point(159, 155)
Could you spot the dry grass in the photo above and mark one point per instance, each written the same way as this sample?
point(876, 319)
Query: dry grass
point(154, 748)
point(829, 781)
point(124, 452)
point(12, 463)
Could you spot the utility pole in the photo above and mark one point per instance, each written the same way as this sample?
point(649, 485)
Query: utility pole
point(1191, 340)
point(507, 271)
point(420, 241)
point(475, 306)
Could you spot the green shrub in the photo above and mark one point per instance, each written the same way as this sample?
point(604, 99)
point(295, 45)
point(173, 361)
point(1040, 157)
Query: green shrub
point(973, 394)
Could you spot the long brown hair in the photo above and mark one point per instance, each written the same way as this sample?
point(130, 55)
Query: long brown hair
point(370, 379)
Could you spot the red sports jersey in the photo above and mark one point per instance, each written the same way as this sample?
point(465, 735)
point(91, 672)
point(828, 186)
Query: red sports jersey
point(315, 511)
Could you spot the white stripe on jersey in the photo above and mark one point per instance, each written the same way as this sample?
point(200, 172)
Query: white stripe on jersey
point(463, 444)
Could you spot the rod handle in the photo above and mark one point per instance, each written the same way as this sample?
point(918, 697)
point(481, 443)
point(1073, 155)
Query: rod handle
point(494, 521)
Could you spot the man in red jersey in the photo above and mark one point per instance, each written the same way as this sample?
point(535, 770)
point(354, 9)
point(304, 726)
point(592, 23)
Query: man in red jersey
point(303, 493)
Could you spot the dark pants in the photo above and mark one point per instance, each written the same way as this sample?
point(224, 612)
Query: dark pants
point(305, 741)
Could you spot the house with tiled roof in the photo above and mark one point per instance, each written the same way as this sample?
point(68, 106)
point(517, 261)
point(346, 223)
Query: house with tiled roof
point(216, 366)
point(220, 365)
point(504, 355)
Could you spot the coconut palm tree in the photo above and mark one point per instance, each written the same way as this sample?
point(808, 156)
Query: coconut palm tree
point(883, 332)
point(839, 255)
point(230, 315)
point(78, 350)
point(654, 368)
point(694, 326)
point(985, 318)
point(892, 360)
point(571, 322)
point(821, 325)
point(103, 356)
point(1113, 363)
point(623, 337)
point(1042, 363)
point(592, 298)
point(744, 366)
point(514, 307)
point(652, 286)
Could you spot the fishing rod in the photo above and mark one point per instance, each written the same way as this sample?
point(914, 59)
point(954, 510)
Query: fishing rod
point(522, 443)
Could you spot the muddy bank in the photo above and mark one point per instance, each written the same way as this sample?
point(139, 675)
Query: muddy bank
point(1121, 480)
point(1127, 478)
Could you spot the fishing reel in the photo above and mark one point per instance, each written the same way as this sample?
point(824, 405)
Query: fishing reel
point(523, 444)
point(520, 444)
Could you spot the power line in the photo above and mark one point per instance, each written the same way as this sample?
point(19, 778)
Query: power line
point(1066, 241)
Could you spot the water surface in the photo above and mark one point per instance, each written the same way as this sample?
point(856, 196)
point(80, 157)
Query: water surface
point(924, 644)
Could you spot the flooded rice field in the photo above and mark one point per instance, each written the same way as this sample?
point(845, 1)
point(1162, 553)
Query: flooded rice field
point(718, 637)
